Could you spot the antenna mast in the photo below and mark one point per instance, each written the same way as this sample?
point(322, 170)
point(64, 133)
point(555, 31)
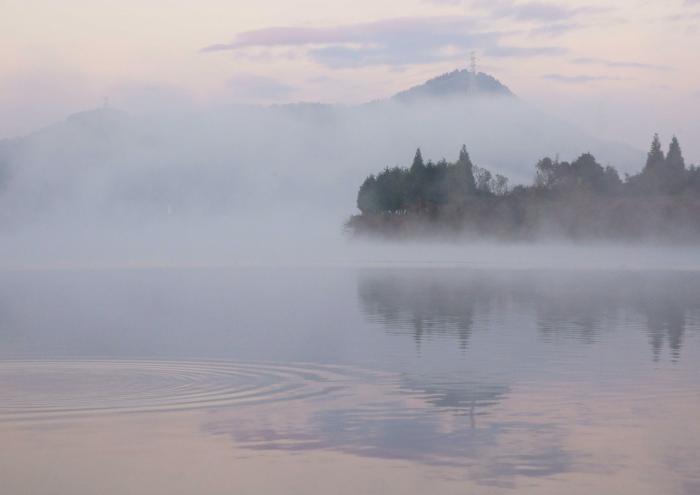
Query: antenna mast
point(473, 63)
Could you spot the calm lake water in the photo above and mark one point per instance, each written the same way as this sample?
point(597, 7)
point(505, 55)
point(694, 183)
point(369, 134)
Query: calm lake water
point(349, 381)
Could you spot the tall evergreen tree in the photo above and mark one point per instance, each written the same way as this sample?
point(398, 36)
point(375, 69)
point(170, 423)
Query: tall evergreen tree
point(466, 162)
point(674, 159)
point(418, 164)
point(460, 178)
point(416, 182)
point(655, 157)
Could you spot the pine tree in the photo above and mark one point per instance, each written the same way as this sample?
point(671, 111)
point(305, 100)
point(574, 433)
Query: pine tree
point(465, 162)
point(418, 164)
point(416, 188)
point(674, 159)
point(655, 157)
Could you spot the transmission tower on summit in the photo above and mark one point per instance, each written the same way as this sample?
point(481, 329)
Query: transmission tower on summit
point(472, 66)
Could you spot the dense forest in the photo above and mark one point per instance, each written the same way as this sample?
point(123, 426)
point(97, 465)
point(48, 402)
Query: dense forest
point(581, 199)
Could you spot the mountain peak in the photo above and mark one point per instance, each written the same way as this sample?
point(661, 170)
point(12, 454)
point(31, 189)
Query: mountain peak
point(97, 115)
point(456, 83)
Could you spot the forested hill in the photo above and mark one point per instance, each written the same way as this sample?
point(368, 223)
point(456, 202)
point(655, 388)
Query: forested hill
point(580, 199)
point(456, 83)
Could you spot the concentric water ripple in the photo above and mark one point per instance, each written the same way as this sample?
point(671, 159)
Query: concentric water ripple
point(37, 389)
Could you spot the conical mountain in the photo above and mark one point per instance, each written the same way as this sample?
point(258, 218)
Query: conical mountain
point(456, 83)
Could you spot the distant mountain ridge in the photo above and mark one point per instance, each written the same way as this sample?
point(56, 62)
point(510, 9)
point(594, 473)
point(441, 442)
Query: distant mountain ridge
point(456, 83)
point(230, 158)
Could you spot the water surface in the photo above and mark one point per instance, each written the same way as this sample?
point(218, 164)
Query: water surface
point(335, 380)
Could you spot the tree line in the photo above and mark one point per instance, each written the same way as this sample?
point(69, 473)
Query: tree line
point(426, 186)
point(577, 198)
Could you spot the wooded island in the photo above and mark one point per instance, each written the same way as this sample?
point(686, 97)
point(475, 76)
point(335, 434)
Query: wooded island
point(577, 200)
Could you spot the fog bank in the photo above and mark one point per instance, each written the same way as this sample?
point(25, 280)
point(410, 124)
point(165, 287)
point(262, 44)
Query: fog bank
point(249, 185)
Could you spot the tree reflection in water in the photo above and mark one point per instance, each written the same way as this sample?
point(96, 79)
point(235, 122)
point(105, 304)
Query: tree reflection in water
point(431, 304)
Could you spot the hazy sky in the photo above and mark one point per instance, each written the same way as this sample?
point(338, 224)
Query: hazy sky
point(620, 69)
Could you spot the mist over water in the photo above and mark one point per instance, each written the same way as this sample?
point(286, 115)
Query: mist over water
point(243, 184)
point(483, 379)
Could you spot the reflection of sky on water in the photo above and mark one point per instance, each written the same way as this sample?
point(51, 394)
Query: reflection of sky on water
point(496, 376)
point(450, 426)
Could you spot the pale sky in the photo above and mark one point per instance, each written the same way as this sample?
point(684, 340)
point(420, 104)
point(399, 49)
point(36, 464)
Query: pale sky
point(621, 70)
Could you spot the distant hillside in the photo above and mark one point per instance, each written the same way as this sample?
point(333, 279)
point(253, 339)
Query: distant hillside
point(456, 83)
point(238, 158)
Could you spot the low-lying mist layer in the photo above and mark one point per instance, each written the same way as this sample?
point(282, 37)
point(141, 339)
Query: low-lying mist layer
point(228, 184)
point(242, 160)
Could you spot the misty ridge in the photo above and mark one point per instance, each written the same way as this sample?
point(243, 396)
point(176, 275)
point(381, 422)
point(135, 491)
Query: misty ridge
point(243, 162)
point(577, 200)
